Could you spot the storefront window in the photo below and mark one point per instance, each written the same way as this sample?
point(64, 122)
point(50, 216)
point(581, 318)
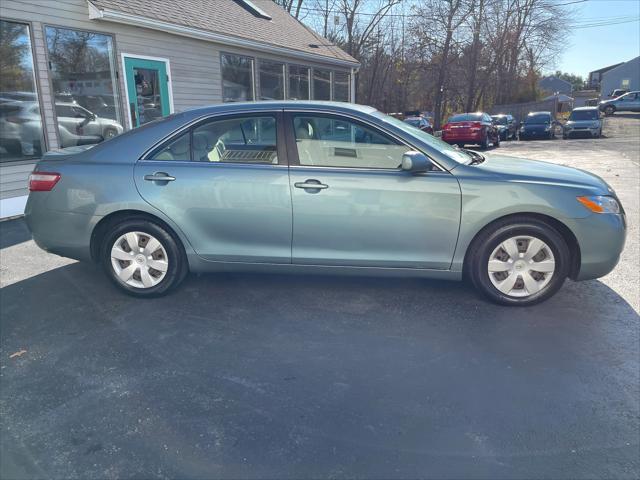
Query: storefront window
point(237, 78)
point(298, 83)
point(321, 84)
point(271, 80)
point(84, 85)
point(341, 87)
point(20, 121)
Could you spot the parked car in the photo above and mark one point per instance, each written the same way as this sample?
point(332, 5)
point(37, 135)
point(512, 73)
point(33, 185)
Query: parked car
point(82, 122)
point(618, 92)
point(506, 125)
point(20, 128)
point(538, 125)
point(471, 128)
point(583, 121)
point(319, 187)
point(421, 123)
point(629, 102)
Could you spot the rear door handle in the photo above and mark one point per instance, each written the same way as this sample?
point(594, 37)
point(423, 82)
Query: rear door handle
point(159, 177)
point(311, 184)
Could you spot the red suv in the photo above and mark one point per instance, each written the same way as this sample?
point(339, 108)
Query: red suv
point(476, 128)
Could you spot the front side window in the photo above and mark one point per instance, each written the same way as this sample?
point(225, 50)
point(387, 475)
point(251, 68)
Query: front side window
point(83, 69)
point(341, 86)
point(237, 78)
point(236, 140)
point(332, 141)
point(20, 121)
point(298, 82)
point(321, 84)
point(271, 80)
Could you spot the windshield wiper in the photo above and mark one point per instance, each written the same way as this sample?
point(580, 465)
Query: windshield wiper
point(476, 158)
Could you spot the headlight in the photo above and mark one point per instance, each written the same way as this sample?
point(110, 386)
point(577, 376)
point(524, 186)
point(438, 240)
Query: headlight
point(547, 128)
point(600, 204)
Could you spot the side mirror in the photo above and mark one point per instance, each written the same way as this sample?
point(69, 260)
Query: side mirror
point(415, 162)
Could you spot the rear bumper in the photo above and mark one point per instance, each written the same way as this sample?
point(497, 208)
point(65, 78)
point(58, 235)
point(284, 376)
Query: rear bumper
point(63, 233)
point(601, 239)
point(463, 138)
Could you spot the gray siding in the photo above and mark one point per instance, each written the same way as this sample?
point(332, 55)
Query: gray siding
point(194, 65)
point(613, 78)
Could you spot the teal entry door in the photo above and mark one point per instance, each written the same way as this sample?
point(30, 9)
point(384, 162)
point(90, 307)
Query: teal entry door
point(148, 89)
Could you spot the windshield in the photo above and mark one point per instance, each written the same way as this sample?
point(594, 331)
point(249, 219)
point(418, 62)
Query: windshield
point(500, 120)
point(466, 117)
point(584, 115)
point(537, 119)
point(443, 147)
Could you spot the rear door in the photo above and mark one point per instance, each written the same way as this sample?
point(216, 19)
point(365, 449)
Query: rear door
point(224, 181)
point(354, 206)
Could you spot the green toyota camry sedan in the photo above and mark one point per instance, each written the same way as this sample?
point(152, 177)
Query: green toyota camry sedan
point(308, 187)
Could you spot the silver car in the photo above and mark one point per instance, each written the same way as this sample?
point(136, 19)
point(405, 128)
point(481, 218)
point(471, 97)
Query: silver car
point(629, 102)
point(583, 121)
point(307, 187)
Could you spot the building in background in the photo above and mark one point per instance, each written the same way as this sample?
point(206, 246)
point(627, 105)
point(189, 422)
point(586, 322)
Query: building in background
point(595, 77)
point(81, 71)
point(552, 85)
point(625, 76)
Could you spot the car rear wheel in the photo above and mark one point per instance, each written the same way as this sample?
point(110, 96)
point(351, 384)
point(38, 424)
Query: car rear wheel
point(496, 144)
point(143, 259)
point(519, 263)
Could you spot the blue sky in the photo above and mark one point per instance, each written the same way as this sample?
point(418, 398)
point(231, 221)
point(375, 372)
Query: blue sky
point(588, 49)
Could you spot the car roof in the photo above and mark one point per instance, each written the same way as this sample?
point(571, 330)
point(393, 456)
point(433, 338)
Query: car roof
point(281, 104)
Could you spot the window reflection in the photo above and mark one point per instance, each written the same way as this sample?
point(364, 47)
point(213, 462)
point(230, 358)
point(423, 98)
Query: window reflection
point(341, 87)
point(321, 84)
point(84, 86)
point(20, 121)
point(237, 78)
point(271, 80)
point(298, 83)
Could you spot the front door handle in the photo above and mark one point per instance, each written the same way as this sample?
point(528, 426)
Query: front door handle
point(311, 184)
point(159, 177)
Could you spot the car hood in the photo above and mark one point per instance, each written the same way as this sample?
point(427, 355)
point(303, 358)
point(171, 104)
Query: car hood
point(582, 123)
point(533, 171)
point(538, 127)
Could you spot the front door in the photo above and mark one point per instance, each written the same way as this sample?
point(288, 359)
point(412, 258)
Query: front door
point(225, 183)
point(354, 206)
point(147, 88)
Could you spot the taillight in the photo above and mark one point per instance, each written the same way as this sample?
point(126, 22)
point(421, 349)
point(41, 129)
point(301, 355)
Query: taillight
point(476, 126)
point(446, 126)
point(43, 181)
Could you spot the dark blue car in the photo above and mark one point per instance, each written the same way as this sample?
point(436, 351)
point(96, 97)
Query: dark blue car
point(537, 125)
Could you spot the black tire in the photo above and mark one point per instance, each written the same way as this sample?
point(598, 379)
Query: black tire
point(564, 137)
point(609, 110)
point(109, 133)
point(485, 143)
point(176, 258)
point(484, 244)
point(496, 144)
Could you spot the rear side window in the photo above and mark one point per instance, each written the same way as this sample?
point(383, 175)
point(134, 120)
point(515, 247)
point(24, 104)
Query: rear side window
point(177, 150)
point(236, 140)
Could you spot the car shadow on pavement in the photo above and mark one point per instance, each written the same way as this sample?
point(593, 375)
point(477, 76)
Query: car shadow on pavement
point(245, 375)
point(13, 232)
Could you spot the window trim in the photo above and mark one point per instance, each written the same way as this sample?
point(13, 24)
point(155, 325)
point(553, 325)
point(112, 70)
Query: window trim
point(50, 76)
point(292, 149)
point(253, 76)
point(191, 126)
point(37, 84)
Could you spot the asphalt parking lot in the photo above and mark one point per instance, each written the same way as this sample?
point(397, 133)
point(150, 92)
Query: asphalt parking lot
point(254, 376)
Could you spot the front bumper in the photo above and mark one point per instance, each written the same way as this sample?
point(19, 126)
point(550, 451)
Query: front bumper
point(582, 131)
point(601, 238)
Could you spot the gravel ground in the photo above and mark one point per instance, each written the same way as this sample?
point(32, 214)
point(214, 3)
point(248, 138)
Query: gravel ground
point(254, 376)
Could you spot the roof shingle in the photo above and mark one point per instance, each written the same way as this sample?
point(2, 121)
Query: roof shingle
point(229, 17)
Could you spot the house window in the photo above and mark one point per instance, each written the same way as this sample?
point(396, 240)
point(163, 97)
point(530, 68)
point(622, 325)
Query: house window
point(271, 80)
point(625, 83)
point(20, 120)
point(341, 86)
point(321, 84)
point(237, 78)
point(84, 86)
point(298, 82)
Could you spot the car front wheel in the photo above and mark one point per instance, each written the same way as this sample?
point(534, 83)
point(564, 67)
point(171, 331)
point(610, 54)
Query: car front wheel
point(609, 110)
point(143, 259)
point(519, 262)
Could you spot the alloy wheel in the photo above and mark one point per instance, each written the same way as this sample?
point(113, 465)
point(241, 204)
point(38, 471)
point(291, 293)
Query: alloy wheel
point(139, 260)
point(521, 266)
